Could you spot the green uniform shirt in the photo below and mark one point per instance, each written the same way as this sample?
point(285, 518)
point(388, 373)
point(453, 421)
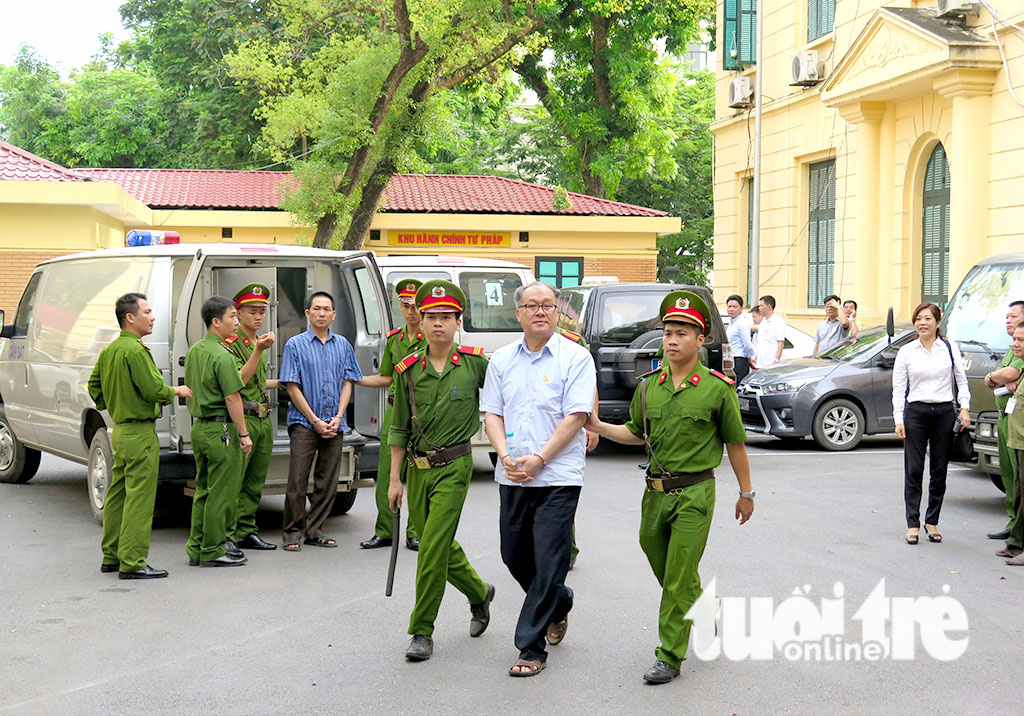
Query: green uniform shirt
point(688, 425)
point(1015, 420)
point(211, 374)
point(447, 405)
point(398, 346)
point(1009, 360)
point(126, 382)
point(241, 348)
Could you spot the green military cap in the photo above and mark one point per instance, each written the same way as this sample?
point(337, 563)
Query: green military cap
point(252, 293)
point(407, 287)
point(685, 307)
point(440, 295)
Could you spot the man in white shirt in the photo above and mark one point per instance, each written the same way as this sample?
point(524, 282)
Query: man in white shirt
point(739, 336)
point(536, 399)
point(771, 334)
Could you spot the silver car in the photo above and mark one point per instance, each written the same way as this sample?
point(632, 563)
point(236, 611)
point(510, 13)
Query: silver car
point(836, 397)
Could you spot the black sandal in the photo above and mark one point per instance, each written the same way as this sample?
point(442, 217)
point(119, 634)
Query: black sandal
point(321, 541)
point(912, 539)
point(933, 536)
point(292, 547)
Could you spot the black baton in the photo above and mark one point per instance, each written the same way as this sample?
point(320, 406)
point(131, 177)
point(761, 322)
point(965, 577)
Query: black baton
point(394, 550)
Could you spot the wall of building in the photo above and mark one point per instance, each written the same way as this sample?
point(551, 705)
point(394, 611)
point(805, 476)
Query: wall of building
point(877, 234)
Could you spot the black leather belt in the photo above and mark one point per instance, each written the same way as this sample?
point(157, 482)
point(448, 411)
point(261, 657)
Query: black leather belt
point(670, 483)
point(214, 419)
point(440, 458)
point(136, 420)
point(259, 410)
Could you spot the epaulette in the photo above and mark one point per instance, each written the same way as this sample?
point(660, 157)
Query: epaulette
point(406, 363)
point(721, 376)
point(145, 346)
point(574, 337)
point(471, 350)
point(231, 340)
point(392, 332)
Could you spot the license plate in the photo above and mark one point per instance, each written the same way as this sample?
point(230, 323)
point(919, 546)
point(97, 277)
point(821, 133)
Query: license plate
point(655, 363)
point(744, 403)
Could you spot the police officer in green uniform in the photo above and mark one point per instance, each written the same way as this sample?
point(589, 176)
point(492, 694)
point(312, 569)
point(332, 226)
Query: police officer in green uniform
point(219, 435)
point(1008, 373)
point(684, 413)
point(249, 348)
point(127, 384)
point(400, 343)
point(436, 414)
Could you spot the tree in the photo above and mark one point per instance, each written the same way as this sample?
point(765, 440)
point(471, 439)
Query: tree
point(32, 106)
point(607, 84)
point(362, 79)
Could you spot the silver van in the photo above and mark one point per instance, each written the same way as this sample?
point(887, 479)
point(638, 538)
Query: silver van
point(66, 317)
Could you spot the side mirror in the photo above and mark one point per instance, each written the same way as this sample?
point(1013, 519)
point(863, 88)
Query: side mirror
point(890, 324)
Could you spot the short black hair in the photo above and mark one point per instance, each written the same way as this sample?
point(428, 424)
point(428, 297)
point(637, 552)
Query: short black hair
point(755, 309)
point(850, 300)
point(769, 301)
point(329, 297)
point(215, 307)
point(735, 297)
point(828, 298)
point(1019, 304)
point(128, 303)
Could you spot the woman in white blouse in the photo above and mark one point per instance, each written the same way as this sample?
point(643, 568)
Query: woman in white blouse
point(922, 405)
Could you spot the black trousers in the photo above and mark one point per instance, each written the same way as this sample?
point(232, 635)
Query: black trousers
point(536, 541)
point(306, 445)
point(928, 425)
point(742, 368)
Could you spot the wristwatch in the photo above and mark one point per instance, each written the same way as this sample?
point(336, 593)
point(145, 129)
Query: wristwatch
point(748, 495)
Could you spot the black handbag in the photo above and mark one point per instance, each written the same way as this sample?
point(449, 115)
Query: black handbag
point(961, 448)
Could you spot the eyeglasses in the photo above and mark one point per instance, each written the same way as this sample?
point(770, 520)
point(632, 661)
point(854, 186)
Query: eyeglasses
point(534, 307)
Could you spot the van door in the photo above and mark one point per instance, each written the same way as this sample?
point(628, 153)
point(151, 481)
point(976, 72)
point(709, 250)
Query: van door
point(360, 275)
point(188, 328)
point(14, 365)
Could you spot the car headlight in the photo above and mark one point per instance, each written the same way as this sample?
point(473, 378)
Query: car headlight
point(789, 386)
point(984, 430)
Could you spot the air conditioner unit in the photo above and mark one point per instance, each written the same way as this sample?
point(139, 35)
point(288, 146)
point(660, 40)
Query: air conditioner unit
point(740, 94)
point(949, 9)
point(807, 68)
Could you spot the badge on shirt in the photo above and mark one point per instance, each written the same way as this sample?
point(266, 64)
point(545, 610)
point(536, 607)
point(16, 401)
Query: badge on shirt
point(1011, 405)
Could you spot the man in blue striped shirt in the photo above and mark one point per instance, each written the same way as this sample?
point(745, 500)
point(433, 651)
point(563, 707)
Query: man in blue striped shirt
point(318, 369)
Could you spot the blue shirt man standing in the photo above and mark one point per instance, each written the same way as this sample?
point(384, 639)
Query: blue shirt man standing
point(536, 398)
point(318, 369)
point(739, 336)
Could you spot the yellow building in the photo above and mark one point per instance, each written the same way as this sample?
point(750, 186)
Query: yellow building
point(892, 151)
point(47, 210)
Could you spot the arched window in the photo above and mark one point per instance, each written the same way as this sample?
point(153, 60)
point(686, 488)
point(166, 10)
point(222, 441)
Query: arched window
point(935, 231)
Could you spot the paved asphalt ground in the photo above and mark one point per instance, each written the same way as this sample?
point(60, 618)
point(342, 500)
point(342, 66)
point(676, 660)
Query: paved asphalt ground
point(312, 633)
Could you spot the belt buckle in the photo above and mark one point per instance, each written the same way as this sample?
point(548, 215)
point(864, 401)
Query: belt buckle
point(422, 463)
point(262, 410)
point(657, 484)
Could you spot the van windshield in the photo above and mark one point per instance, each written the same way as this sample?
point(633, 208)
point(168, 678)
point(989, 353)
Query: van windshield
point(977, 310)
point(490, 304)
point(397, 275)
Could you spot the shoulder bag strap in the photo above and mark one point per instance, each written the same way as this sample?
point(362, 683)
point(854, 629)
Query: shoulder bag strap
point(646, 428)
point(952, 370)
point(412, 410)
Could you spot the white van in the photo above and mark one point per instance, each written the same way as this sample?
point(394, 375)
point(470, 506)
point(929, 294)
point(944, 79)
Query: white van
point(66, 317)
point(489, 320)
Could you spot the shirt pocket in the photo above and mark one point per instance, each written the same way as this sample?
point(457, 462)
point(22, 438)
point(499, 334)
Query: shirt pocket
point(697, 415)
point(549, 395)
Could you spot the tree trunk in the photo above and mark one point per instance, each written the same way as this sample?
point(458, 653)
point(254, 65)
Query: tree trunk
point(368, 203)
point(325, 226)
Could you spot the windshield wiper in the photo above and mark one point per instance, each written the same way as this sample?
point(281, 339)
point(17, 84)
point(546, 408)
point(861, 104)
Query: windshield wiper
point(983, 346)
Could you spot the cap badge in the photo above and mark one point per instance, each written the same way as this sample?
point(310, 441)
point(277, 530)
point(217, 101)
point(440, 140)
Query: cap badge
point(410, 287)
point(438, 292)
point(683, 303)
point(257, 291)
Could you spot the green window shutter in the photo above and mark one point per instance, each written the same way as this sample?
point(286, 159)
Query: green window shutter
point(730, 36)
point(747, 24)
point(821, 232)
point(821, 15)
point(935, 229)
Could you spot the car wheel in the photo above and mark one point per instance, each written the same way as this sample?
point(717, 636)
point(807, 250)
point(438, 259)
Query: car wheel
point(838, 425)
point(18, 464)
point(101, 460)
point(343, 502)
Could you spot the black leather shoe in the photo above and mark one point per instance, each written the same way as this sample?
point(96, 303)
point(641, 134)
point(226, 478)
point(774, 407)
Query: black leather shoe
point(193, 562)
point(376, 542)
point(412, 543)
point(661, 673)
point(254, 541)
point(108, 568)
point(146, 572)
point(420, 648)
point(1002, 534)
point(225, 561)
point(232, 549)
point(481, 613)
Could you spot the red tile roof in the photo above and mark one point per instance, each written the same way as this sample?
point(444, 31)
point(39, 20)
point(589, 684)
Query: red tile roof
point(18, 165)
point(407, 193)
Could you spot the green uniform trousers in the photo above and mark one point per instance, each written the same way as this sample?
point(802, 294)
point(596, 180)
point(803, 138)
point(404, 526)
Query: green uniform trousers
point(1006, 464)
point(218, 477)
point(254, 476)
point(436, 497)
point(1017, 531)
point(673, 533)
point(385, 517)
point(128, 507)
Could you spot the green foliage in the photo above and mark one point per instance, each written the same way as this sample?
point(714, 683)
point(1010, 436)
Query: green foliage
point(32, 106)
